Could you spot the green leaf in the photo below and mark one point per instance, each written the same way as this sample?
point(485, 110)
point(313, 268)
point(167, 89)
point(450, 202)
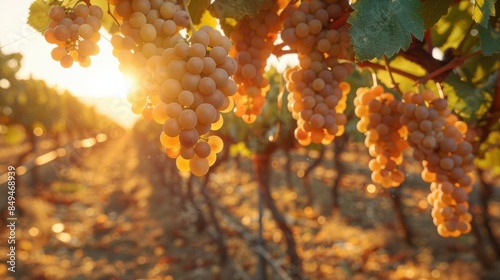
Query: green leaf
point(451, 29)
point(206, 19)
point(236, 9)
point(38, 17)
point(468, 100)
point(228, 25)
point(384, 27)
point(434, 10)
point(196, 10)
point(482, 11)
point(107, 21)
point(39, 14)
point(490, 40)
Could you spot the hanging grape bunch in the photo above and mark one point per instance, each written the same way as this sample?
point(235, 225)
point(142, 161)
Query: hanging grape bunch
point(253, 42)
point(75, 31)
point(318, 92)
point(439, 143)
point(385, 135)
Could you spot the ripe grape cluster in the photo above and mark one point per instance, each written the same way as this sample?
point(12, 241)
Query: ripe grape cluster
point(196, 88)
point(183, 82)
point(317, 96)
point(438, 139)
point(253, 39)
point(385, 135)
point(75, 32)
point(147, 28)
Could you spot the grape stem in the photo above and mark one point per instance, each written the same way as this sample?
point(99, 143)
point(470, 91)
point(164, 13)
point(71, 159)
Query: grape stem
point(394, 85)
point(112, 16)
point(394, 70)
point(452, 64)
point(428, 39)
point(191, 25)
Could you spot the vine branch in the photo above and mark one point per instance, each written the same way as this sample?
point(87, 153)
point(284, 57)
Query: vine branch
point(394, 70)
point(453, 63)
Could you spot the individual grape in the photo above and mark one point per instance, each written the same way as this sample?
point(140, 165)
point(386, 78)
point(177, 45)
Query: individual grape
point(188, 119)
point(189, 137)
point(137, 19)
point(169, 142)
point(96, 11)
point(172, 128)
point(199, 166)
point(148, 32)
point(58, 53)
point(206, 113)
point(57, 13)
point(160, 112)
point(182, 164)
point(202, 149)
point(62, 33)
point(66, 61)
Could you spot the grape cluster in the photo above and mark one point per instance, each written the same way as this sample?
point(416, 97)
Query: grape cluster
point(438, 139)
point(183, 82)
point(253, 39)
point(147, 29)
point(317, 102)
point(385, 135)
point(75, 32)
point(196, 88)
point(317, 96)
point(311, 27)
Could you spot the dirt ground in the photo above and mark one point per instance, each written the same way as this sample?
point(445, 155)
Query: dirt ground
point(106, 213)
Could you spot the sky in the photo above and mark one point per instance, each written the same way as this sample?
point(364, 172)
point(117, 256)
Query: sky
point(101, 79)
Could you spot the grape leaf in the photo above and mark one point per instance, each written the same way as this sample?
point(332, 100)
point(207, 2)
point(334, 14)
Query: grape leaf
point(38, 17)
point(206, 19)
point(196, 10)
point(39, 14)
point(236, 9)
point(228, 25)
point(384, 27)
point(468, 100)
point(434, 10)
point(482, 11)
point(489, 39)
point(107, 21)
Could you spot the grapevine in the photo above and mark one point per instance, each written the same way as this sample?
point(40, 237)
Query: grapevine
point(187, 78)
